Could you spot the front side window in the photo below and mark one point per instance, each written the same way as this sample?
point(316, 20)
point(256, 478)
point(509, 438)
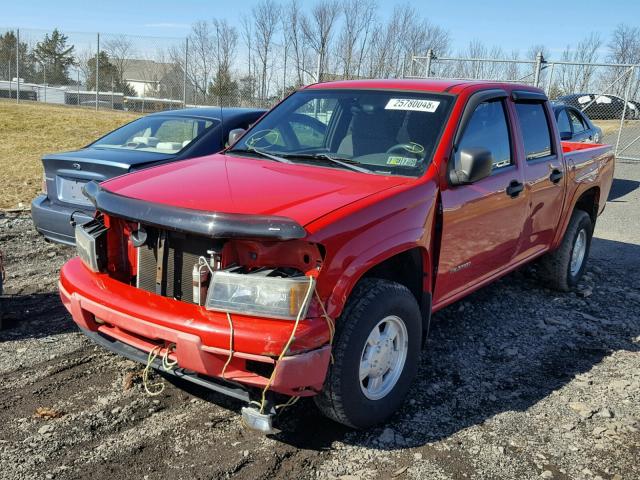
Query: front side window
point(487, 129)
point(385, 132)
point(157, 134)
point(576, 122)
point(534, 125)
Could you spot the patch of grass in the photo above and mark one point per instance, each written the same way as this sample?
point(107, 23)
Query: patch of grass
point(30, 130)
point(612, 126)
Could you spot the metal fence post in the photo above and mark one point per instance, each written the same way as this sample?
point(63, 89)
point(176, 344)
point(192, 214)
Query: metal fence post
point(186, 63)
point(624, 109)
point(97, 70)
point(18, 65)
point(553, 66)
point(538, 67)
point(428, 67)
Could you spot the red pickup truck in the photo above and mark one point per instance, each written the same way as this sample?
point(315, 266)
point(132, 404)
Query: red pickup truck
point(307, 258)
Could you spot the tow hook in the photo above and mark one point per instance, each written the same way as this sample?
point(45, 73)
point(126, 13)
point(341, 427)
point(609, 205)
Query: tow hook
point(260, 422)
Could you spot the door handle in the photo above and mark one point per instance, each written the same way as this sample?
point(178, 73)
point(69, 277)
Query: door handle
point(514, 188)
point(556, 175)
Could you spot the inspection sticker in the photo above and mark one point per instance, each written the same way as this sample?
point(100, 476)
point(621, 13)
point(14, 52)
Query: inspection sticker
point(402, 161)
point(412, 104)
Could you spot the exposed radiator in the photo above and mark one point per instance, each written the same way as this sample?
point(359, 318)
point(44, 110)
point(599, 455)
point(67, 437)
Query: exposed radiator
point(181, 253)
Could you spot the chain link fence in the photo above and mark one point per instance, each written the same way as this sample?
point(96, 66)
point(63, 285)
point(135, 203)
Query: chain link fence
point(608, 94)
point(120, 72)
point(147, 74)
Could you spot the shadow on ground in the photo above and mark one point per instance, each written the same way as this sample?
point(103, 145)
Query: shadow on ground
point(621, 187)
point(34, 315)
point(504, 348)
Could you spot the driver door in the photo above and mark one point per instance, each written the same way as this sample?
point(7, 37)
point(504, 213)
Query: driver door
point(482, 222)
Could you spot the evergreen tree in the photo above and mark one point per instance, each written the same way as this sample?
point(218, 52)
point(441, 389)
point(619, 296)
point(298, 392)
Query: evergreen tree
point(8, 43)
point(55, 56)
point(109, 76)
point(223, 91)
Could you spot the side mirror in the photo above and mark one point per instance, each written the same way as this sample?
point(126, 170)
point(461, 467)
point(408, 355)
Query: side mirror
point(565, 135)
point(235, 134)
point(471, 165)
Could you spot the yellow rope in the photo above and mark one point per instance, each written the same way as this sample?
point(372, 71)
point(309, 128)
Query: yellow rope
point(288, 403)
point(224, 369)
point(286, 347)
point(331, 324)
point(166, 363)
point(153, 354)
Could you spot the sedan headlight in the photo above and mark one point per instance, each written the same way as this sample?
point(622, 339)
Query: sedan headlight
point(260, 294)
point(91, 241)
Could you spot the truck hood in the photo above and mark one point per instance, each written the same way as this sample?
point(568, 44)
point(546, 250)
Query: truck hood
point(236, 185)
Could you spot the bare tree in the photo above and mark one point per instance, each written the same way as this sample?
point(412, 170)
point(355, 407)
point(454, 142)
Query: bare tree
point(266, 16)
point(225, 38)
point(578, 77)
point(318, 28)
point(120, 50)
point(404, 35)
point(296, 40)
point(359, 15)
point(624, 47)
point(201, 56)
point(82, 60)
point(249, 83)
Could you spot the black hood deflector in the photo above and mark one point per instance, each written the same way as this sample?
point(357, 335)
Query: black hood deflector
point(199, 222)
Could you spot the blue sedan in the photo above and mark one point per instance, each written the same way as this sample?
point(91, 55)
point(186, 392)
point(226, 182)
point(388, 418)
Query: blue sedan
point(148, 141)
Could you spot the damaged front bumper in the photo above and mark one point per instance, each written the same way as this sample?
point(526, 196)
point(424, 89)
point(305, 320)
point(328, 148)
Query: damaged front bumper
point(132, 322)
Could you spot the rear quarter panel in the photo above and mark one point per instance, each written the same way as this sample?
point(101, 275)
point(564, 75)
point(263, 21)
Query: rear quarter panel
point(587, 166)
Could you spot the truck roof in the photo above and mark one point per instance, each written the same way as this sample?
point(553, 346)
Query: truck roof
point(418, 84)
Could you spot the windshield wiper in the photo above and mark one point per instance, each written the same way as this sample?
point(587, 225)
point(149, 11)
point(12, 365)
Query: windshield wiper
point(345, 162)
point(261, 153)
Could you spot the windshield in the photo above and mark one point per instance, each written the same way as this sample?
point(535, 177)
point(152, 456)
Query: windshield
point(161, 134)
point(385, 132)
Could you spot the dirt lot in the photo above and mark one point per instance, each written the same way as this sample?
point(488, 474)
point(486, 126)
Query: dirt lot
point(29, 130)
point(516, 382)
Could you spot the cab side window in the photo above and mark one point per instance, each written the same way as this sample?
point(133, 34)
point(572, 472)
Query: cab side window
point(534, 125)
point(488, 129)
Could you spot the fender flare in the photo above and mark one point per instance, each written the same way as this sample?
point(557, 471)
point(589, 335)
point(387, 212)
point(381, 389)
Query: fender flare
point(376, 254)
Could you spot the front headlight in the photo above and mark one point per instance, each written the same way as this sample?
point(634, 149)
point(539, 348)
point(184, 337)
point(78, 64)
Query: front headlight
point(259, 294)
point(91, 244)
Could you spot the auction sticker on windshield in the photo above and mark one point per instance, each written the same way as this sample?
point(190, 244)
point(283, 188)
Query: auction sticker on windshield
point(412, 104)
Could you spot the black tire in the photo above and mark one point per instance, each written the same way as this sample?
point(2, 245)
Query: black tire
point(342, 398)
point(555, 267)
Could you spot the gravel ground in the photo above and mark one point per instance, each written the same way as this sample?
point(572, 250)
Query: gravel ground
point(516, 382)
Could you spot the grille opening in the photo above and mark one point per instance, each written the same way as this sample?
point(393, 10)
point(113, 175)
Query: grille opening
point(181, 253)
point(260, 368)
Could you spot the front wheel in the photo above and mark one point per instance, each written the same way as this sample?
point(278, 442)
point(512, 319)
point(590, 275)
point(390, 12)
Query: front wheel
point(563, 268)
point(376, 354)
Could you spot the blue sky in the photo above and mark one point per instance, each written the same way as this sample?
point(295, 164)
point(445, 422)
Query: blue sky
point(509, 24)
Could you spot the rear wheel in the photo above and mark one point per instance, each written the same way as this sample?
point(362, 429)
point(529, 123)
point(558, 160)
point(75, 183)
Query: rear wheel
point(563, 268)
point(376, 354)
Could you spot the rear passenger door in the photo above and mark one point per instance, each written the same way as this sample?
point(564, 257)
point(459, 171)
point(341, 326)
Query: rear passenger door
point(543, 173)
point(482, 221)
